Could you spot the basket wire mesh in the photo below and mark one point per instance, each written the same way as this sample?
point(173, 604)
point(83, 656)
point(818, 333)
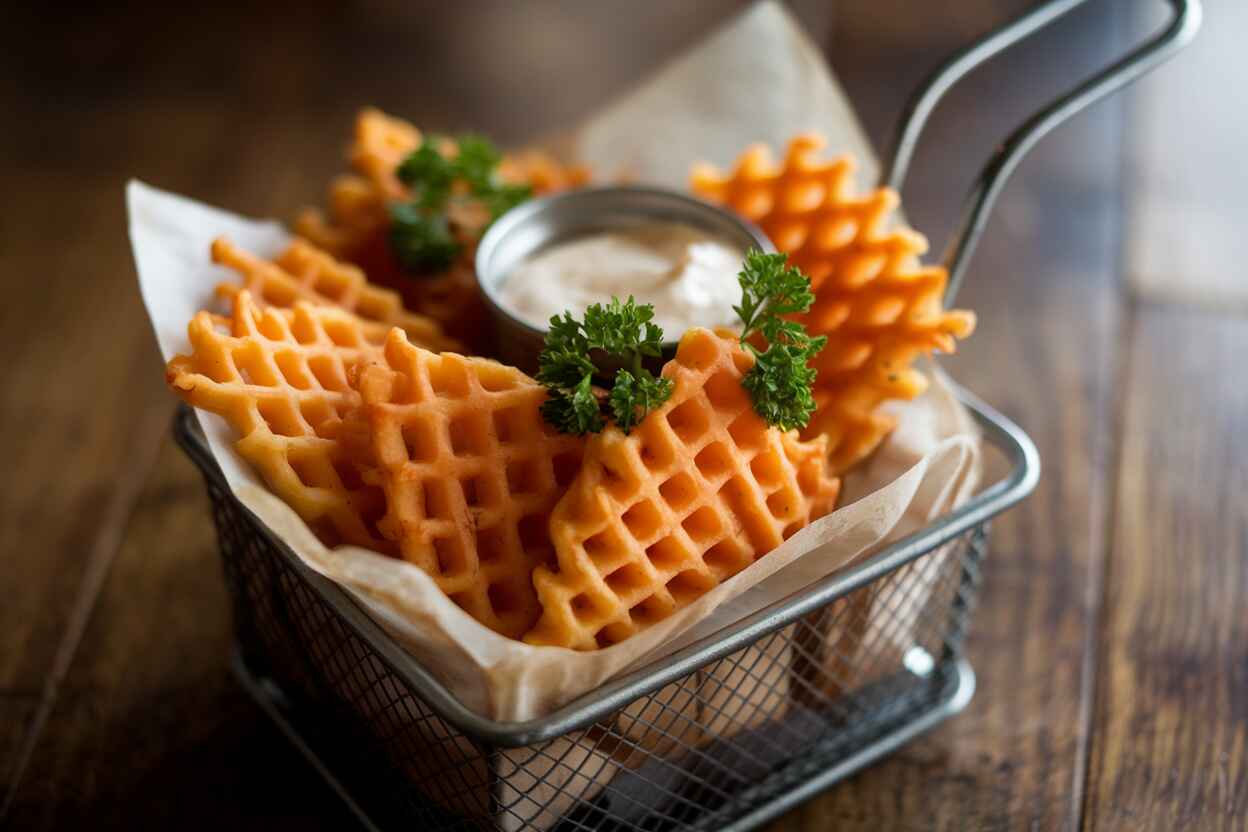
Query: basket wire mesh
point(695, 753)
point(725, 733)
point(753, 721)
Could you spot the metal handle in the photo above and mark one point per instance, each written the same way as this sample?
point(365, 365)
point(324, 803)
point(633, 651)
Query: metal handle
point(1178, 33)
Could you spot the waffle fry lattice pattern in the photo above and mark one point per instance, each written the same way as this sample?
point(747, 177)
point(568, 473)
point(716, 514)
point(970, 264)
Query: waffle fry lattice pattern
point(696, 493)
point(305, 273)
point(878, 305)
point(471, 474)
point(357, 222)
point(280, 377)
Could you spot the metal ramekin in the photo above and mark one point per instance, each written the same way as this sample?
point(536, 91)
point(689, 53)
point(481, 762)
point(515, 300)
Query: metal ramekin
point(530, 227)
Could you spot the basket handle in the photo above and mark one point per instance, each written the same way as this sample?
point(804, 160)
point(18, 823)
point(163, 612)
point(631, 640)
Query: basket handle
point(1179, 31)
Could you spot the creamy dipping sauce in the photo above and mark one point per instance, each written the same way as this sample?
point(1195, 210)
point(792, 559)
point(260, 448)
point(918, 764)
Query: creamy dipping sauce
point(687, 274)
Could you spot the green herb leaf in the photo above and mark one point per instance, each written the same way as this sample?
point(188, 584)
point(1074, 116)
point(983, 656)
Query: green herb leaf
point(770, 288)
point(504, 197)
point(780, 382)
point(476, 161)
point(575, 411)
point(622, 332)
point(621, 328)
point(781, 379)
point(421, 234)
point(420, 241)
point(633, 396)
point(564, 362)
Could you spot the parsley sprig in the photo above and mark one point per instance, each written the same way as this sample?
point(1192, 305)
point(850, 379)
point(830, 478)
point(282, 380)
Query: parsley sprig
point(422, 235)
point(780, 381)
point(618, 333)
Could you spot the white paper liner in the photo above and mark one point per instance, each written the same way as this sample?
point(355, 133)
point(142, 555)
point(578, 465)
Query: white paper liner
point(758, 78)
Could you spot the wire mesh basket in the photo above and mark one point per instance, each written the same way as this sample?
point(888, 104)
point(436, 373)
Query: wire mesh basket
point(736, 726)
point(723, 734)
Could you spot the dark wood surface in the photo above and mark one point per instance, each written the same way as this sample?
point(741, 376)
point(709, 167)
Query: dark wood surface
point(1110, 637)
point(1015, 758)
point(1171, 703)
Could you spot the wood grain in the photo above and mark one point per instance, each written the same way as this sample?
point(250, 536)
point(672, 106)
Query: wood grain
point(1043, 285)
point(150, 730)
point(17, 711)
point(81, 412)
point(95, 97)
point(116, 707)
point(1184, 217)
point(85, 408)
point(1171, 744)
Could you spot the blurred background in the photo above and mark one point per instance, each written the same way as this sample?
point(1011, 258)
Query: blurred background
point(1113, 327)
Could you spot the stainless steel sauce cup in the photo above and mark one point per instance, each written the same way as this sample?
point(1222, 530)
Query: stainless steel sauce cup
point(531, 227)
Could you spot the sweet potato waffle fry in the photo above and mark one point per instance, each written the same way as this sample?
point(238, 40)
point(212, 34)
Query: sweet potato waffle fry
point(878, 305)
point(697, 492)
point(355, 228)
point(471, 474)
point(358, 219)
point(542, 172)
point(304, 273)
point(280, 377)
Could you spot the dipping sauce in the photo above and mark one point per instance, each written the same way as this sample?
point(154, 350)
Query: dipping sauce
point(687, 274)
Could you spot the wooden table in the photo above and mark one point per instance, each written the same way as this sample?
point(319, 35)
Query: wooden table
point(1112, 640)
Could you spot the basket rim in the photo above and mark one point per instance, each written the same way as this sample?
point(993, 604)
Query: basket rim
point(619, 692)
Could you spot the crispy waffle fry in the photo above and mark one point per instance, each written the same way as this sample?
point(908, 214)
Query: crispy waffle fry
point(542, 172)
point(355, 228)
point(381, 143)
point(879, 307)
point(304, 273)
point(471, 475)
point(280, 378)
point(699, 491)
point(358, 220)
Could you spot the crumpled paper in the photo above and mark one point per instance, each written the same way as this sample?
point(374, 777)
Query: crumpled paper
point(757, 78)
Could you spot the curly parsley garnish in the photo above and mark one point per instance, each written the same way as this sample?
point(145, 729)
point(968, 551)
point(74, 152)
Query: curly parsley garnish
point(422, 236)
point(622, 333)
point(780, 381)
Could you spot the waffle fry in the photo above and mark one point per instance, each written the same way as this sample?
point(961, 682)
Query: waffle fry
point(699, 491)
point(383, 141)
point(358, 220)
point(280, 377)
point(304, 273)
point(381, 144)
point(542, 172)
point(879, 307)
point(471, 475)
point(355, 228)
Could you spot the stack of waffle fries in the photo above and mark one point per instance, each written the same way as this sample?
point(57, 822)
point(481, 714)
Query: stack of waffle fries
point(353, 393)
point(355, 225)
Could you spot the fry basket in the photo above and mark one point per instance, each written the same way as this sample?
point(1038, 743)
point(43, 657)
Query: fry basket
point(724, 734)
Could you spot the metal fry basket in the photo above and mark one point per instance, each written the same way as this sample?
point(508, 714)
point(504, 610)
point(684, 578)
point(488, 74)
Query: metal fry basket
point(722, 735)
